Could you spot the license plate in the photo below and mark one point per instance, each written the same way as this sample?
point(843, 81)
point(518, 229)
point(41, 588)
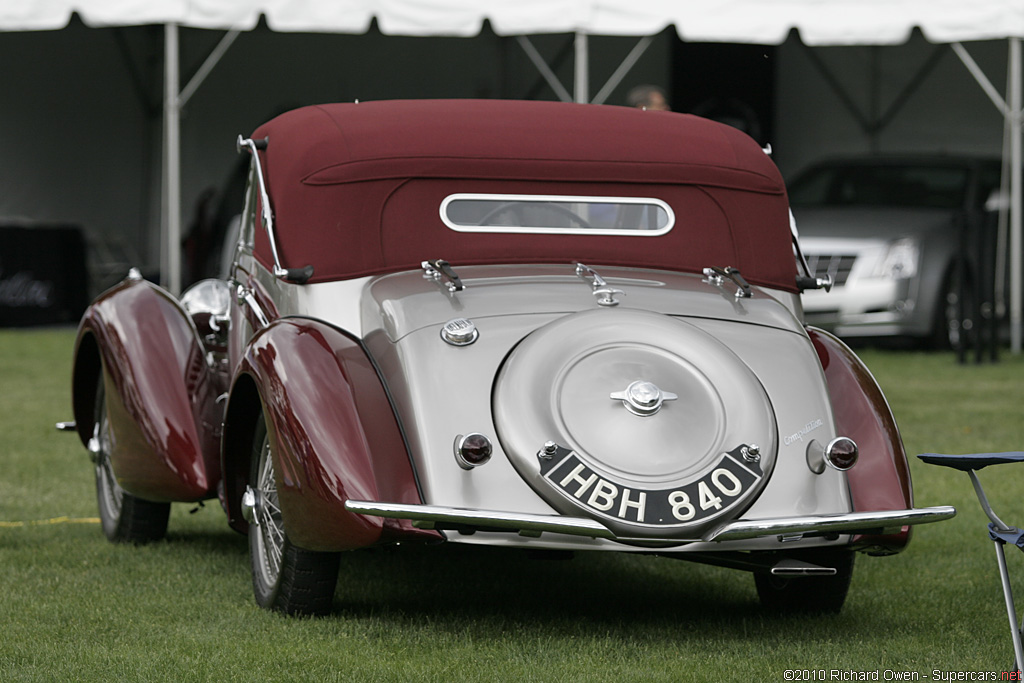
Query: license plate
point(717, 490)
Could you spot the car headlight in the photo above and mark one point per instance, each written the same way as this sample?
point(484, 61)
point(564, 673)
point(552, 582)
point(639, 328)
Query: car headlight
point(899, 261)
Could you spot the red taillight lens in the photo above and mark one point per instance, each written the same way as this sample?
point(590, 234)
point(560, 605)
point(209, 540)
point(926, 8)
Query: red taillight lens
point(841, 453)
point(472, 450)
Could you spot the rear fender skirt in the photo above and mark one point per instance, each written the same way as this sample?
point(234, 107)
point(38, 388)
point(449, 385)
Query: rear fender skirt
point(333, 432)
point(160, 393)
point(881, 478)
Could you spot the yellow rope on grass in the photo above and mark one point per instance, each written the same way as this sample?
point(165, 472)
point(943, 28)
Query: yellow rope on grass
point(53, 520)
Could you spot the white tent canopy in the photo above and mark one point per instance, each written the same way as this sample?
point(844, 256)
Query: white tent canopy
point(769, 22)
point(820, 22)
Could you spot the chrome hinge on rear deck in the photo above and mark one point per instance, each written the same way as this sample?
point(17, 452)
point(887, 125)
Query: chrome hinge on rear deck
point(717, 276)
point(438, 268)
point(601, 290)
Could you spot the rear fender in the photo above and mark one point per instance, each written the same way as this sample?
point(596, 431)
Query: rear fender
point(333, 432)
point(160, 393)
point(881, 478)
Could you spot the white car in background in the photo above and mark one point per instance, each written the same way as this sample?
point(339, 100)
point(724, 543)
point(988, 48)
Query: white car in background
point(901, 238)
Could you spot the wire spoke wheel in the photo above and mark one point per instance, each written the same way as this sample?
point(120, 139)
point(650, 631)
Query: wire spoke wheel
point(268, 539)
point(284, 577)
point(109, 494)
point(125, 518)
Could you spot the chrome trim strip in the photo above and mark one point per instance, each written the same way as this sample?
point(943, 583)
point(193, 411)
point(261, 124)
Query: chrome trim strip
point(541, 230)
point(268, 214)
point(851, 522)
point(530, 524)
point(514, 521)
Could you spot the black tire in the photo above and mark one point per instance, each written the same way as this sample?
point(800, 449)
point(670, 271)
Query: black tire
point(812, 594)
point(123, 517)
point(284, 578)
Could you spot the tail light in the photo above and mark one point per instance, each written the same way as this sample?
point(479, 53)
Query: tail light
point(840, 454)
point(472, 450)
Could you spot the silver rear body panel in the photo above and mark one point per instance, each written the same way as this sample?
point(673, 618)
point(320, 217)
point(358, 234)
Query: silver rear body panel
point(441, 391)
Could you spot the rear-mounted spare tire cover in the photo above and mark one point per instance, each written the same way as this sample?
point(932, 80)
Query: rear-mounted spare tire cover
point(639, 420)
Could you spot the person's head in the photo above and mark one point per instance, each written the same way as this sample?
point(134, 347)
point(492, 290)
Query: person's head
point(648, 97)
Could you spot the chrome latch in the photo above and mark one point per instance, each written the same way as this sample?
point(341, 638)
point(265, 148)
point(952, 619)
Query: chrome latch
point(717, 276)
point(438, 268)
point(600, 289)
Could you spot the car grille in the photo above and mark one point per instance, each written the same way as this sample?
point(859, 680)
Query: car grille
point(836, 265)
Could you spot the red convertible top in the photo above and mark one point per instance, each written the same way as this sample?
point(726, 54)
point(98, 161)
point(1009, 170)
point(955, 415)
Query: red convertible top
point(356, 189)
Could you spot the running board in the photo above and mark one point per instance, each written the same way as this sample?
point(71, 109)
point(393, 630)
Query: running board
point(790, 528)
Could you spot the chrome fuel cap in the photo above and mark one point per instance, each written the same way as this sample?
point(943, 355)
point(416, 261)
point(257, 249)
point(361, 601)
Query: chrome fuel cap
point(459, 332)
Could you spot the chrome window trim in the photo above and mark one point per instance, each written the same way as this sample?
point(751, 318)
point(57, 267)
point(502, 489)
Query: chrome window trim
point(535, 230)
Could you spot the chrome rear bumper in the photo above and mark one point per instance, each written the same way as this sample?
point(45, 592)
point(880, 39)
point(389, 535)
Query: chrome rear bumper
point(431, 516)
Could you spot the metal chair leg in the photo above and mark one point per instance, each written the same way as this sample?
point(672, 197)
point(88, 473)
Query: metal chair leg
point(1011, 611)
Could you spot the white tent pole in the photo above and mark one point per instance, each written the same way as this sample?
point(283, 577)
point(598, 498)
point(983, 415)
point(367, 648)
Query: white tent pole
point(980, 77)
point(1002, 252)
point(582, 71)
point(171, 259)
point(1013, 114)
point(544, 69)
point(1016, 106)
point(208, 65)
point(631, 59)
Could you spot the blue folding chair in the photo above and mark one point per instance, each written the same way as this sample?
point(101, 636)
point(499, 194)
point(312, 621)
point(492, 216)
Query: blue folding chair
point(999, 531)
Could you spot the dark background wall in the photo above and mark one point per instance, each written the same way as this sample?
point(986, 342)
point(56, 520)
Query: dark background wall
point(80, 115)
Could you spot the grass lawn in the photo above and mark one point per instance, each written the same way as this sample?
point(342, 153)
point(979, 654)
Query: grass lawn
point(75, 607)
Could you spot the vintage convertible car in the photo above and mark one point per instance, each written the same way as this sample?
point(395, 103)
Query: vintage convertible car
point(521, 324)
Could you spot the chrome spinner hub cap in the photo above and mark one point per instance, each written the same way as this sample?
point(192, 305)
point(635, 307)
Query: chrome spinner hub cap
point(643, 398)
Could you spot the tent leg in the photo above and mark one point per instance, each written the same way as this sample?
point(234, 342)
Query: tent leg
point(170, 261)
point(581, 89)
point(1016, 114)
point(1013, 111)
